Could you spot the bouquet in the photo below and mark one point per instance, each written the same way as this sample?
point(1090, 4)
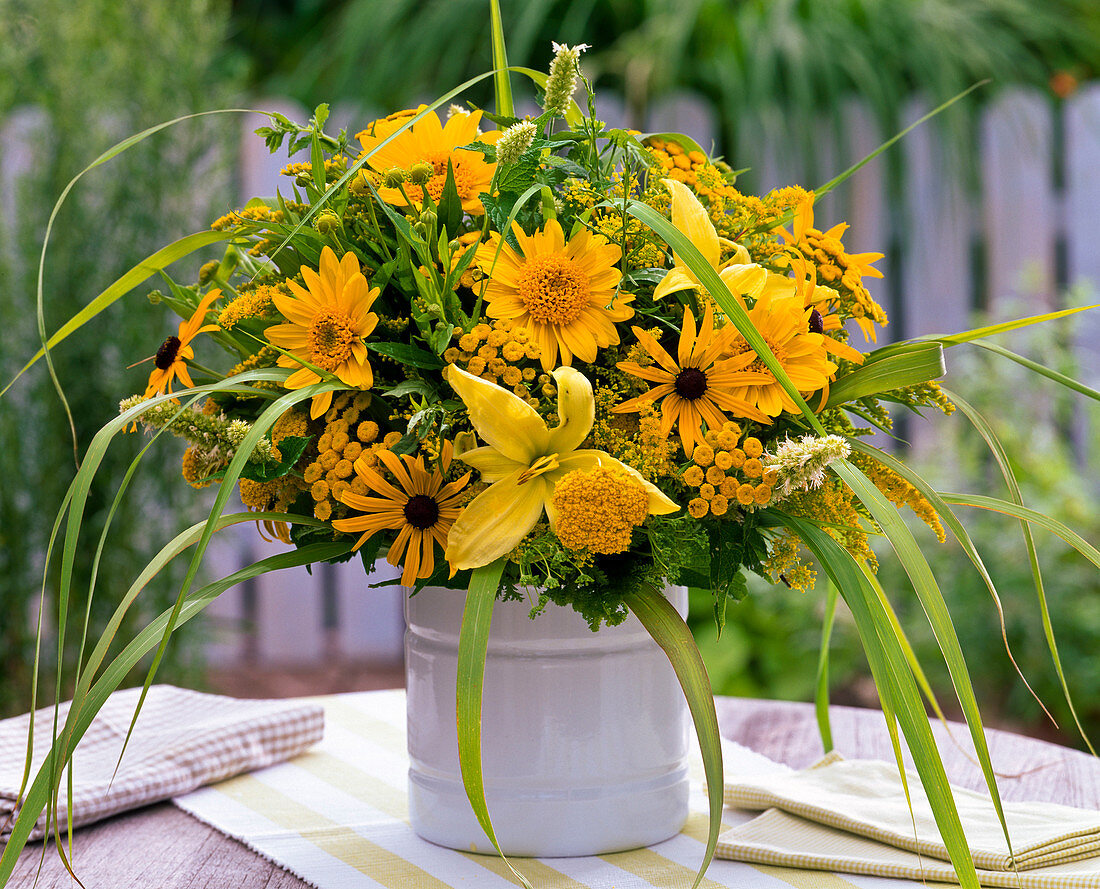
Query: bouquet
point(553, 358)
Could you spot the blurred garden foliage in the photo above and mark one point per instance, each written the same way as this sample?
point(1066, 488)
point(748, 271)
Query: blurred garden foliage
point(785, 67)
point(772, 639)
point(75, 79)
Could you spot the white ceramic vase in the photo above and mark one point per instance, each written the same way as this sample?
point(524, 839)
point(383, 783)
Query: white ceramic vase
point(584, 735)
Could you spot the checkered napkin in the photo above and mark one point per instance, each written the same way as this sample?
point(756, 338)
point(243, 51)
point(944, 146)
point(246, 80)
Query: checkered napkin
point(182, 740)
point(853, 816)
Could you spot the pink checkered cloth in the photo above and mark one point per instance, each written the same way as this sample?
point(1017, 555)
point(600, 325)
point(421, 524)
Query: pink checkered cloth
point(182, 740)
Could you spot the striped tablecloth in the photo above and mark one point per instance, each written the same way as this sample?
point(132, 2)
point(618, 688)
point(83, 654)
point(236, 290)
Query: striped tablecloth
point(337, 817)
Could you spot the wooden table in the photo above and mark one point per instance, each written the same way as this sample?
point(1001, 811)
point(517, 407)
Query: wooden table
point(163, 847)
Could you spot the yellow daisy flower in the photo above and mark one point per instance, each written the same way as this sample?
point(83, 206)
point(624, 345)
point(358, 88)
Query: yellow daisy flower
point(329, 323)
point(562, 293)
point(700, 386)
point(429, 141)
point(421, 510)
point(172, 356)
point(784, 323)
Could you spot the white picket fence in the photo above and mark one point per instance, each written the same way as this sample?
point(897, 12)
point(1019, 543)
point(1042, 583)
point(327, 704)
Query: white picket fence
point(1031, 235)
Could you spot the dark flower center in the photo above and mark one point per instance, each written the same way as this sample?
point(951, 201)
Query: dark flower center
point(817, 323)
point(421, 512)
point(167, 353)
point(690, 383)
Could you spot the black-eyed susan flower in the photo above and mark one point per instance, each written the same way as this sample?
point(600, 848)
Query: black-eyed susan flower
point(523, 460)
point(783, 322)
point(174, 353)
point(421, 508)
point(428, 141)
point(328, 326)
point(837, 268)
point(698, 387)
point(564, 294)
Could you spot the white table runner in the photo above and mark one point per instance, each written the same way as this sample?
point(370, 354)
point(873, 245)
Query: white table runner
point(337, 817)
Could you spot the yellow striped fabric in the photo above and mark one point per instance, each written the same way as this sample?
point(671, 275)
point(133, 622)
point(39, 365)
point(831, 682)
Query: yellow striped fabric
point(337, 817)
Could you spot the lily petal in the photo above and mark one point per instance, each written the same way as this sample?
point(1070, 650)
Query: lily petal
point(504, 420)
point(691, 218)
point(495, 521)
point(576, 410)
point(491, 463)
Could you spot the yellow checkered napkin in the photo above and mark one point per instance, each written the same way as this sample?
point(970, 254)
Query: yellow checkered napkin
point(182, 740)
point(853, 816)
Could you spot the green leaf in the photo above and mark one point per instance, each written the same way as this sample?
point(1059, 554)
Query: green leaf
point(516, 177)
point(955, 526)
point(931, 598)
point(822, 190)
point(412, 387)
point(663, 622)
point(317, 163)
point(997, 449)
point(573, 114)
point(687, 142)
point(977, 501)
point(1041, 369)
point(821, 692)
point(406, 354)
point(473, 646)
point(291, 448)
point(977, 333)
point(716, 287)
point(85, 708)
point(450, 205)
point(918, 363)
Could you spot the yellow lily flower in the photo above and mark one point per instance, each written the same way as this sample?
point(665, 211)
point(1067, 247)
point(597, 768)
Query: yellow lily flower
point(523, 459)
point(691, 218)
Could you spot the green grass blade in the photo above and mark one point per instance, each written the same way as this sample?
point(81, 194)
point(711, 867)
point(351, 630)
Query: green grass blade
point(110, 153)
point(717, 288)
point(1005, 507)
point(41, 789)
point(664, 624)
point(1005, 465)
point(821, 690)
point(955, 526)
point(968, 336)
point(1041, 369)
point(918, 363)
point(931, 599)
point(225, 490)
point(895, 685)
point(152, 264)
point(573, 114)
point(836, 180)
point(362, 159)
point(502, 84)
point(473, 646)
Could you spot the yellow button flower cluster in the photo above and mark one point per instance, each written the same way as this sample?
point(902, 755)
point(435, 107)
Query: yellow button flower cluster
point(726, 474)
point(502, 353)
point(677, 162)
point(345, 437)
